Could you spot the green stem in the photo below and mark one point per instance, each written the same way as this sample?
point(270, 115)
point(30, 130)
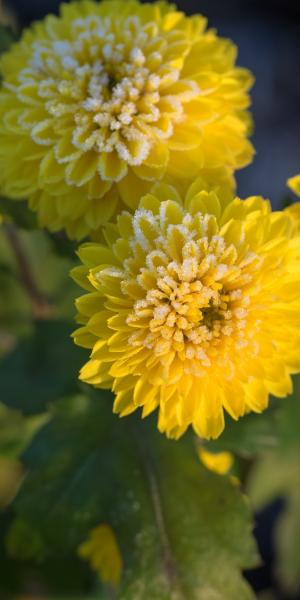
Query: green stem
point(40, 304)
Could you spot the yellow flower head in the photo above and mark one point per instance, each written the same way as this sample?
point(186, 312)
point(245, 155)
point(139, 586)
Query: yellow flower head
point(192, 307)
point(100, 101)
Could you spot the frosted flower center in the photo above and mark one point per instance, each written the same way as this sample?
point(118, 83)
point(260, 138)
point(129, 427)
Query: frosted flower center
point(196, 305)
point(111, 79)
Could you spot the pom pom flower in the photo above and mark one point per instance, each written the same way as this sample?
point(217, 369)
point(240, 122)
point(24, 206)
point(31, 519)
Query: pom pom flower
point(192, 308)
point(100, 101)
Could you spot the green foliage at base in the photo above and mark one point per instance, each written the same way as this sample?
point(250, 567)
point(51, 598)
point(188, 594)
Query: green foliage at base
point(277, 475)
point(183, 531)
point(67, 464)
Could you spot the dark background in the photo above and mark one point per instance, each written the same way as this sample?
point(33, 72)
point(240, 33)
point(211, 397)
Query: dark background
point(268, 36)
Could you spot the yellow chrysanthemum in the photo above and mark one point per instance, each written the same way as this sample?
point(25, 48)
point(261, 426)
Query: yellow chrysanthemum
point(192, 307)
point(294, 184)
point(100, 101)
point(102, 551)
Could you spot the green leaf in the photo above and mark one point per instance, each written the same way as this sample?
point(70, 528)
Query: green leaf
point(43, 367)
point(50, 271)
point(7, 37)
point(24, 542)
point(15, 310)
point(248, 436)
point(287, 540)
point(18, 212)
point(61, 244)
point(16, 431)
point(184, 532)
point(277, 474)
point(49, 276)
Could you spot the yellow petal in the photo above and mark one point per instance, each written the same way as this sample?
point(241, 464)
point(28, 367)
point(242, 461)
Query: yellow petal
point(219, 462)
point(82, 169)
point(111, 167)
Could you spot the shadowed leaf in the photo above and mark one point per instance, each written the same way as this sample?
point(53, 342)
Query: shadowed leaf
point(184, 533)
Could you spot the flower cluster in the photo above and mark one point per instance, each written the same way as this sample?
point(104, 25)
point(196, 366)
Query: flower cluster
point(191, 308)
point(106, 98)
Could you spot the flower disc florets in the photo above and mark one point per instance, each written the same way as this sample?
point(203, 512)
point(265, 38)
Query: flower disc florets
point(100, 101)
point(192, 308)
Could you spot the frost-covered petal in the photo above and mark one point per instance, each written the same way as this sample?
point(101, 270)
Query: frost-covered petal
point(107, 98)
point(195, 307)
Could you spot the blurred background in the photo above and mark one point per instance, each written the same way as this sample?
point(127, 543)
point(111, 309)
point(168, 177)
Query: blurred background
point(268, 36)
